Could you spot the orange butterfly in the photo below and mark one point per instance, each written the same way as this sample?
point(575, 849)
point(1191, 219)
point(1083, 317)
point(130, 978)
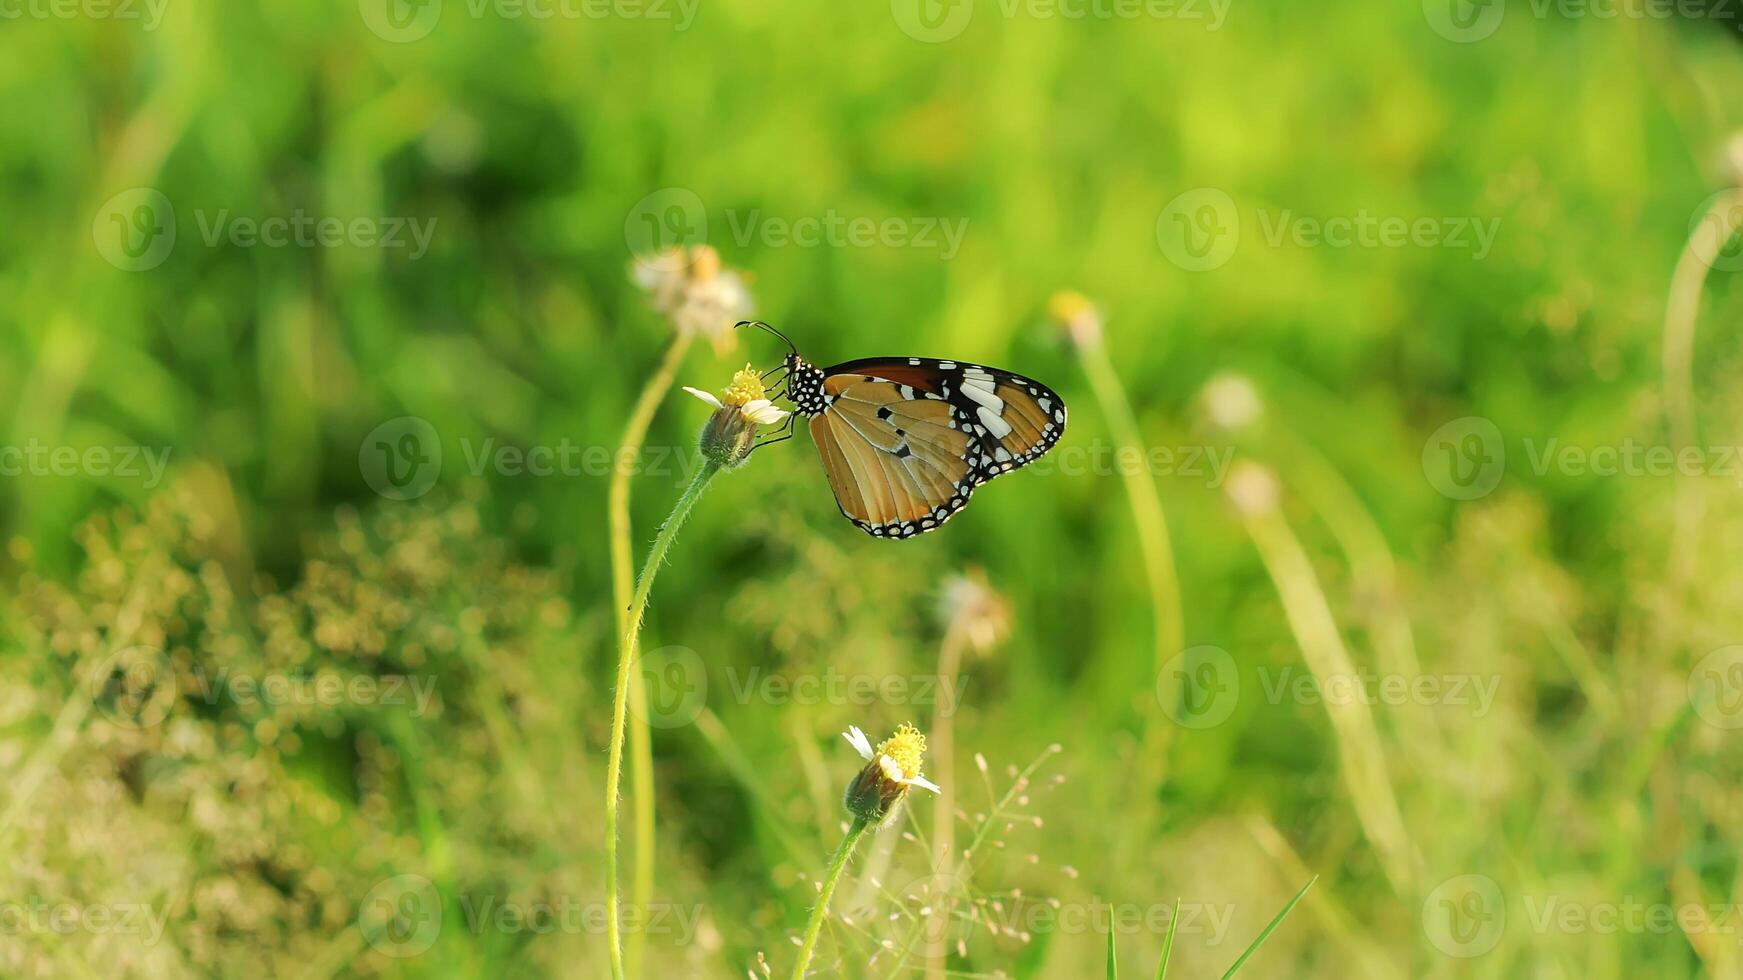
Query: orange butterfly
point(906, 440)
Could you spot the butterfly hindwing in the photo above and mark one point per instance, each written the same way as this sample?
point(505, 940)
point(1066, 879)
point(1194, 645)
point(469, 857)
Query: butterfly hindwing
point(894, 456)
point(905, 440)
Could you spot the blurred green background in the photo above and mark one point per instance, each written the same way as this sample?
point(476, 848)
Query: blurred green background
point(1580, 820)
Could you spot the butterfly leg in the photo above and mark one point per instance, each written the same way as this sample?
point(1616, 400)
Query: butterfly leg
point(787, 433)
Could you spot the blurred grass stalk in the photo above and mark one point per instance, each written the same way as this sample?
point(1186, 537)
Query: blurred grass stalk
point(1707, 239)
point(1254, 492)
point(641, 753)
point(1083, 324)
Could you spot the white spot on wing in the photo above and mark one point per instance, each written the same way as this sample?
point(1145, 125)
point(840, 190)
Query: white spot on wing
point(994, 422)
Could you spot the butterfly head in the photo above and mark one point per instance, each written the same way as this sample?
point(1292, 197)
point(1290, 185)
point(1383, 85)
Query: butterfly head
point(805, 385)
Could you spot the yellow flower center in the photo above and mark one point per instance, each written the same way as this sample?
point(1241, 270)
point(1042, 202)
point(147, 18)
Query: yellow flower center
point(746, 387)
point(906, 748)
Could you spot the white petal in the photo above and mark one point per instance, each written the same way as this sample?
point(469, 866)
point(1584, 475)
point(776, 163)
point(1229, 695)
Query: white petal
point(706, 396)
point(922, 781)
point(763, 412)
point(892, 771)
point(857, 739)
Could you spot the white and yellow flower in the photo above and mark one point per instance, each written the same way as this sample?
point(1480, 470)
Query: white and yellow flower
point(892, 768)
point(731, 431)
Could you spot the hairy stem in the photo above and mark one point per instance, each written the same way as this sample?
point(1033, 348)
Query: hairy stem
point(626, 656)
point(820, 911)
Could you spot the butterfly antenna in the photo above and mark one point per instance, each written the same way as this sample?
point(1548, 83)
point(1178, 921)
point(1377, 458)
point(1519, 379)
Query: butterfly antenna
point(763, 326)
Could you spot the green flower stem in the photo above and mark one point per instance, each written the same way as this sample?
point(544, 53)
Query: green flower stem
point(626, 657)
point(820, 911)
point(641, 757)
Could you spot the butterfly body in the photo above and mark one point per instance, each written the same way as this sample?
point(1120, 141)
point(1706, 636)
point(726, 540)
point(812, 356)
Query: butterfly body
point(905, 441)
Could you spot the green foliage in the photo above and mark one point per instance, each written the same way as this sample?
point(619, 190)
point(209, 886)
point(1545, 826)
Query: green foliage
point(1589, 777)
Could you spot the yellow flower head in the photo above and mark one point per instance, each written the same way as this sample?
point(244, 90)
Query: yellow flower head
point(746, 387)
point(731, 432)
point(906, 748)
point(891, 769)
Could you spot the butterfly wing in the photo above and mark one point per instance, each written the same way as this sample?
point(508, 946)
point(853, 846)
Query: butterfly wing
point(894, 456)
point(905, 441)
point(1015, 419)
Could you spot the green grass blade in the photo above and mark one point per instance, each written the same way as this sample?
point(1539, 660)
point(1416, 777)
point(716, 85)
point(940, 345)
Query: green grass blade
point(1268, 929)
point(1113, 967)
point(1168, 943)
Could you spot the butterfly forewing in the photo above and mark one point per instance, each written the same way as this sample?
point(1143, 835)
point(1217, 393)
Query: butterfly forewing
point(906, 440)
